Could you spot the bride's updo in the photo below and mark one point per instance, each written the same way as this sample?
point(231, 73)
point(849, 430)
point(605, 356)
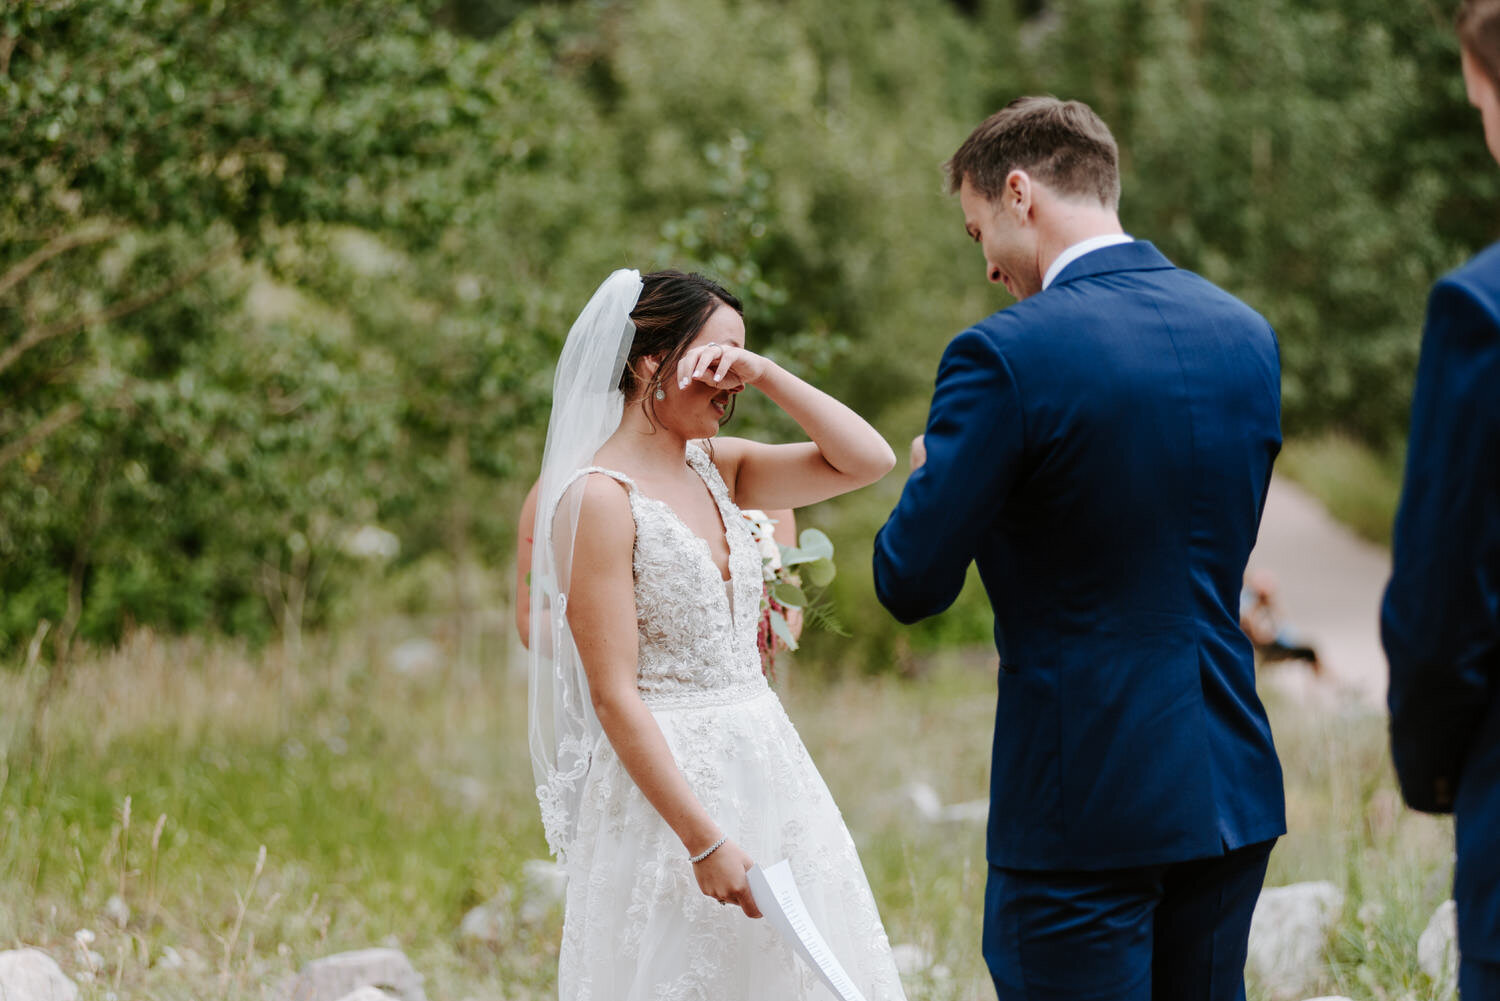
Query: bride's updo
point(672, 309)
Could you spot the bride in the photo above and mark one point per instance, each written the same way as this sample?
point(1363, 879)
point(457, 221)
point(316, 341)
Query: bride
point(665, 764)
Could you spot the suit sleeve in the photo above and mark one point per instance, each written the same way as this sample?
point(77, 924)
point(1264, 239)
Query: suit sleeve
point(975, 441)
point(1440, 621)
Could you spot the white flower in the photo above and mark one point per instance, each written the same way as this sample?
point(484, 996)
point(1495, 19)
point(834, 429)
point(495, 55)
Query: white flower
point(763, 529)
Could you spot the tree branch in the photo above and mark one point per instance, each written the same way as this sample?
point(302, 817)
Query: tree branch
point(81, 237)
point(7, 46)
point(55, 422)
point(47, 332)
point(45, 428)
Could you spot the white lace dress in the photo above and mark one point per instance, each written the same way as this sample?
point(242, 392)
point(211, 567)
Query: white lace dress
point(637, 927)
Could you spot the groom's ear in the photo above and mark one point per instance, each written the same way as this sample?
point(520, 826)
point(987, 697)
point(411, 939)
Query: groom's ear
point(1018, 193)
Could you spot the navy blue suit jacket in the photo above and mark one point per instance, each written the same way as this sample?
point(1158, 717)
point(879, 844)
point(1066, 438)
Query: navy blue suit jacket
point(1441, 618)
point(1102, 451)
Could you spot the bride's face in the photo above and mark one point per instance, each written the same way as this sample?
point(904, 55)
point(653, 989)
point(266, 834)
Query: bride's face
point(695, 412)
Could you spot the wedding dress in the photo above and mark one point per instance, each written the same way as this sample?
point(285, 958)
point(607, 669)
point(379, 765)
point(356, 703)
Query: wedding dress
point(637, 928)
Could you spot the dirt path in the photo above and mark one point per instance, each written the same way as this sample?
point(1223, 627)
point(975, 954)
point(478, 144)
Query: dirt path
point(1329, 583)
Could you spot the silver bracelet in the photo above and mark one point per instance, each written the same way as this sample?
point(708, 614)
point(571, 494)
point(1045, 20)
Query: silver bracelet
point(711, 849)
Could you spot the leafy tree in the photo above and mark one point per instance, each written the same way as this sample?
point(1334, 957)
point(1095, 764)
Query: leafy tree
point(165, 456)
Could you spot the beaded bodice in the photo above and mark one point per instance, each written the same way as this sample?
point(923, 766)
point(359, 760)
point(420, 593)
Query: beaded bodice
point(696, 631)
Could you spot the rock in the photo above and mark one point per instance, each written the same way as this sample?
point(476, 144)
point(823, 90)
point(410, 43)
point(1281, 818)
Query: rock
point(415, 657)
point(31, 975)
point(373, 543)
point(924, 799)
point(543, 890)
point(1287, 935)
point(489, 922)
point(1437, 949)
point(915, 964)
point(911, 960)
point(333, 978)
point(117, 910)
point(468, 791)
point(974, 811)
point(367, 994)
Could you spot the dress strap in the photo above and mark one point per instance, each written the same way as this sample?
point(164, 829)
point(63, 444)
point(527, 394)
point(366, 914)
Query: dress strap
point(698, 458)
point(586, 470)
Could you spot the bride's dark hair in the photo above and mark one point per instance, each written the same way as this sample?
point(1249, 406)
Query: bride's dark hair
point(672, 309)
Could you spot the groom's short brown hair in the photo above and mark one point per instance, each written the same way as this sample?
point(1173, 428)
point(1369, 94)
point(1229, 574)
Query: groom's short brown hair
point(1479, 34)
point(1063, 144)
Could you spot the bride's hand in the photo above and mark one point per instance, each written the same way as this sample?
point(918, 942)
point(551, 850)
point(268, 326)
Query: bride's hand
point(722, 366)
point(722, 877)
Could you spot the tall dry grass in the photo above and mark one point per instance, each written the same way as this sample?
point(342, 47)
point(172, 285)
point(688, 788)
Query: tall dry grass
point(134, 811)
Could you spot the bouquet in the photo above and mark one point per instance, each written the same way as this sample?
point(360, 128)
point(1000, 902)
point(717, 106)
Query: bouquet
point(783, 570)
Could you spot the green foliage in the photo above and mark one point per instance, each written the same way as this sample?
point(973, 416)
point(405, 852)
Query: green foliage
point(212, 204)
point(1314, 158)
point(274, 271)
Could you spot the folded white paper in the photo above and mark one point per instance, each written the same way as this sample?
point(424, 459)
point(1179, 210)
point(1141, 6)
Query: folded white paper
point(776, 895)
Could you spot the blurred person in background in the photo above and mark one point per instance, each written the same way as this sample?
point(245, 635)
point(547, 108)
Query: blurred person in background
point(1440, 621)
point(1263, 620)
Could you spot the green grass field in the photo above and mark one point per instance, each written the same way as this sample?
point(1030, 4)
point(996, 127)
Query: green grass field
point(389, 804)
point(1357, 484)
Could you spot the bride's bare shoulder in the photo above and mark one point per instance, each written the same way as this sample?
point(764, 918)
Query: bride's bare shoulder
point(599, 499)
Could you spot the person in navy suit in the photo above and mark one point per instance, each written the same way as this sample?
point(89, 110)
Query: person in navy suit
point(1440, 621)
point(1101, 449)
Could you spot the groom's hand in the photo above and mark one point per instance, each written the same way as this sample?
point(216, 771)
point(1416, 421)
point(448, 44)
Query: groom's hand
point(918, 452)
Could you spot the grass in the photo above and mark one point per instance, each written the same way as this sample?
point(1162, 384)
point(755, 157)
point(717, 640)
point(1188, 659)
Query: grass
point(388, 804)
point(1359, 485)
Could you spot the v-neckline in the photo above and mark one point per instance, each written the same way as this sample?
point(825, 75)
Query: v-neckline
point(707, 545)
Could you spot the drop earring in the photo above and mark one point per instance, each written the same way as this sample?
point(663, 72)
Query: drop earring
point(661, 394)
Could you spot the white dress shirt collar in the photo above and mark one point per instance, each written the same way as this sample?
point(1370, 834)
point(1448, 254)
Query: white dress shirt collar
point(1076, 251)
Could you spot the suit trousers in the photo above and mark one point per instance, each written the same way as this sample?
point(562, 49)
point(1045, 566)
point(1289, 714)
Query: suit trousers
point(1150, 933)
point(1478, 980)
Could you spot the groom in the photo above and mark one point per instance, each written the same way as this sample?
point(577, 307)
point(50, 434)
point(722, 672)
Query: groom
point(1101, 450)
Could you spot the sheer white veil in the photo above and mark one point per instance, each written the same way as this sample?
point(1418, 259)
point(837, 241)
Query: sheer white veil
point(586, 408)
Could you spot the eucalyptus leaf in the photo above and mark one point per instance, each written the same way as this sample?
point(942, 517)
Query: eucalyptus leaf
point(816, 544)
point(820, 573)
point(783, 631)
point(789, 594)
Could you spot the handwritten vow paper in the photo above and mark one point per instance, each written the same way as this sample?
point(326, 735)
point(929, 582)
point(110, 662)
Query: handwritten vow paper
point(780, 902)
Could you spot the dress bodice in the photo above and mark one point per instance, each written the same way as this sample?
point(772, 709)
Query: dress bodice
point(696, 631)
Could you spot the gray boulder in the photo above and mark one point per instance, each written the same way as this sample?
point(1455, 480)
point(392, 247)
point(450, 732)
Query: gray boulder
point(367, 994)
point(1288, 934)
point(544, 887)
point(415, 658)
point(974, 811)
point(1437, 949)
point(333, 978)
point(916, 964)
point(924, 800)
point(31, 975)
point(490, 922)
